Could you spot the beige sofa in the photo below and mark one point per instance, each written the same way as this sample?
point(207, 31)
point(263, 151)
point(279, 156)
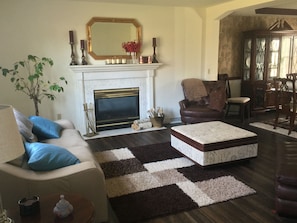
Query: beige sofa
point(85, 178)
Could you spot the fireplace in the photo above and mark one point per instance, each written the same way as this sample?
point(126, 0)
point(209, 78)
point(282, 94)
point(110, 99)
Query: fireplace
point(116, 108)
point(99, 77)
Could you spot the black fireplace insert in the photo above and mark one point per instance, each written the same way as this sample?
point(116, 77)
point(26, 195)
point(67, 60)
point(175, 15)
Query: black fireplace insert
point(116, 108)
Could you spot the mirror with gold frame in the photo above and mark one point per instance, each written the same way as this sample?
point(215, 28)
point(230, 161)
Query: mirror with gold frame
point(106, 35)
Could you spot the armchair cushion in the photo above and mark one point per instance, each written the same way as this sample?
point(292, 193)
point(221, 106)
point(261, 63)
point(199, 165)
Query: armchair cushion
point(217, 97)
point(207, 105)
point(194, 89)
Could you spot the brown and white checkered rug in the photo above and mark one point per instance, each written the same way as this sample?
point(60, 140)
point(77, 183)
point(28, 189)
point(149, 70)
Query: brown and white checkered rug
point(154, 180)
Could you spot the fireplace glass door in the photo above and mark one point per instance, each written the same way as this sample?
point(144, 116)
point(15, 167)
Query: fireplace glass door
point(116, 108)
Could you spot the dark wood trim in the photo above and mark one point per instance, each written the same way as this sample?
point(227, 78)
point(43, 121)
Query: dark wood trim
point(216, 145)
point(276, 11)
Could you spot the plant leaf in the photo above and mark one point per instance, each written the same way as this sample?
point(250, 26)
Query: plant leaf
point(28, 77)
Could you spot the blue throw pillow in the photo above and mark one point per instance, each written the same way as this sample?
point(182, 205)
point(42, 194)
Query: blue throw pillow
point(44, 157)
point(44, 128)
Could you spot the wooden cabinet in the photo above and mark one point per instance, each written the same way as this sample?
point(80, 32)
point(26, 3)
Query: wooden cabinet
point(266, 54)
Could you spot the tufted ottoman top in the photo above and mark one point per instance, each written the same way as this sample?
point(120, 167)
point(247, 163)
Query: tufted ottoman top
point(213, 135)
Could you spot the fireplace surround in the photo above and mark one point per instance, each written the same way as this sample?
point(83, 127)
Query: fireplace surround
point(99, 77)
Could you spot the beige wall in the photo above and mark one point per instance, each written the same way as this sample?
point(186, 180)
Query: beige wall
point(187, 42)
point(40, 27)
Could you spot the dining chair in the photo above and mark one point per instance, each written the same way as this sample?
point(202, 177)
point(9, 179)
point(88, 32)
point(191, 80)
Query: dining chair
point(285, 100)
point(242, 102)
point(293, 78)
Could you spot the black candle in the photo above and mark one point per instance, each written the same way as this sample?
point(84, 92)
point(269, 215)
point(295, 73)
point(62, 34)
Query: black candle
point(71, 36)
point(154, 42)
point(82, 44)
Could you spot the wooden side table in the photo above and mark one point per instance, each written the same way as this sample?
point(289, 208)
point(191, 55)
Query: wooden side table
point(83, 211)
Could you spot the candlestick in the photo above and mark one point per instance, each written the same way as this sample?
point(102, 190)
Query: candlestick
point(82, 44)
point(154, 42)
point(71, 39)
point(82, 47)
point(83, 58)
point(154, 55)
point(73, 62)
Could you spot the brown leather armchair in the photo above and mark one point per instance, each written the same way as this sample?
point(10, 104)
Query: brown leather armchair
point(204, 100)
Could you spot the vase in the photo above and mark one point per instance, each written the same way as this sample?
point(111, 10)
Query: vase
point(157, 121)
point(134, 58)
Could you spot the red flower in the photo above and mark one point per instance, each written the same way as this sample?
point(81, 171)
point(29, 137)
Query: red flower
point(131, 46)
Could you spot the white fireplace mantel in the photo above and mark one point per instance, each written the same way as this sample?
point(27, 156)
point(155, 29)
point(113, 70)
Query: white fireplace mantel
point(97, 77)
point(114, 67)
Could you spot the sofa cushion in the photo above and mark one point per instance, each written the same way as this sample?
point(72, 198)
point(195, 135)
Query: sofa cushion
point(25, 126)
point(44, 128)
point(72, 140)
point(45, 157)
point(68, 139)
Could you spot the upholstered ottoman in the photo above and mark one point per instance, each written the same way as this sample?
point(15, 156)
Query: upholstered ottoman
point(214, 142)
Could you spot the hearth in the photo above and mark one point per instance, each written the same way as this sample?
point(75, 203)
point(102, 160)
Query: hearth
point(116, 108)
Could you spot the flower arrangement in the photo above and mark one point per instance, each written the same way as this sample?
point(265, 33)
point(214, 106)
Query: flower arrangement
point(155, 112)
point(131, 46)
point(156, 116)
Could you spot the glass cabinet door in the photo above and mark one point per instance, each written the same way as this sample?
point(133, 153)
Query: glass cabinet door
point(273, 58)
point(288, 62)
point(260, 58)
point(247, 59)
point(294, 55)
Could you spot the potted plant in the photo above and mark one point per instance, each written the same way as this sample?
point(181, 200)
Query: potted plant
point(28, 77)
point(156, 116)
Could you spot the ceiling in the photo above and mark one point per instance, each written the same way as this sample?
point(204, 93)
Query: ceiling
point(282, 7)
point(182, 3)
point(282, 4)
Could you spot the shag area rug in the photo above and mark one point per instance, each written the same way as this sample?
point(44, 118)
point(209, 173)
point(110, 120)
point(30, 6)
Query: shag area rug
point(282, 128)
point(155, 180)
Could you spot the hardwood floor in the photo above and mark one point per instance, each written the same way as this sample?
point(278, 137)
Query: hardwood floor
point(258, 173)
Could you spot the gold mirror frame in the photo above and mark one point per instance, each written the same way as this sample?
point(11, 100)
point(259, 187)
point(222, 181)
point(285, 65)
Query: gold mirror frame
point(91, 38)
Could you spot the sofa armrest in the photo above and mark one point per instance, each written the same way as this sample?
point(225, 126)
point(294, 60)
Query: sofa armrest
point(31, 175)
point(65, 123)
